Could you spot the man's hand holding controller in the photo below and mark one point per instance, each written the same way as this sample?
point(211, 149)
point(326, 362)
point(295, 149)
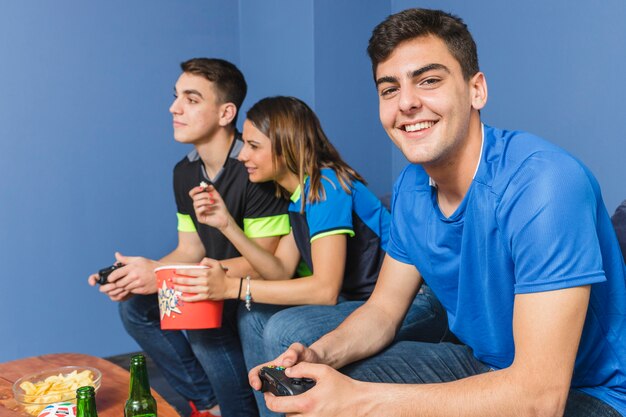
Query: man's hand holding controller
point(295, 354)
point(128, 275)
point(103, 274)
point(274, 380)
point(314, 384)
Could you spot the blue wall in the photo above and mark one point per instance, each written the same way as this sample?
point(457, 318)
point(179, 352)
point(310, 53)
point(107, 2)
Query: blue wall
point(315, 50)
point(345, 96)
point(86, 153)
point(276, 43)
point(86, 148)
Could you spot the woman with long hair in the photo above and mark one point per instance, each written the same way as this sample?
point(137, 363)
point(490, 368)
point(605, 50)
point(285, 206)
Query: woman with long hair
point(339, 232)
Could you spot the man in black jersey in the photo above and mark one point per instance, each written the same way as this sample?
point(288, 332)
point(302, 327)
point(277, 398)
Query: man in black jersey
point(208, 95)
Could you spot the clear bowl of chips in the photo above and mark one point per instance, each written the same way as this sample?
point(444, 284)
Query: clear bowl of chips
point(37, 390)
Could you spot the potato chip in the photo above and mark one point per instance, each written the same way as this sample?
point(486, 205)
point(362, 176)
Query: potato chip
point(54, 388)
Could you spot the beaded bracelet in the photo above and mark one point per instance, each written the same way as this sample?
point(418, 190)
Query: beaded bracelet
point(248, 294)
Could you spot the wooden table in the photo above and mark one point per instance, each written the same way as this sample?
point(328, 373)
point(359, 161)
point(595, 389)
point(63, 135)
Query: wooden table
point(110, 397)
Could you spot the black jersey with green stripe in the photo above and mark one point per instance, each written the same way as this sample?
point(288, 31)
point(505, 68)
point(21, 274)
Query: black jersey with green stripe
point(255, 207)
point(358, 214)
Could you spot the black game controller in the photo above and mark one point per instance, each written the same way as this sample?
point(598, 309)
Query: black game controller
point(103, 274)
point(275, 381)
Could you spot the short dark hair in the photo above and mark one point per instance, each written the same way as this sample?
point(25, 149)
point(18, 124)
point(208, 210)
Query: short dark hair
point(413, 23)
point(230, 85)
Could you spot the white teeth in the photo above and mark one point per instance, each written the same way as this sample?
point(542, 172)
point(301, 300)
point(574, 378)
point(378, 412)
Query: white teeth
point(418, 126)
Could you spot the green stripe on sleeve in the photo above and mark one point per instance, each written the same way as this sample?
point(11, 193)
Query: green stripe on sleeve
point(296, 195)
point(266, 226)
point(185, 224)
point(334, 232)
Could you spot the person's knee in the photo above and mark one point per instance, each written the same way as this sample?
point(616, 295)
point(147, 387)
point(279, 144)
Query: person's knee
point(138, 312)
point(281, 331)
point(251, 324)
point(127, 312)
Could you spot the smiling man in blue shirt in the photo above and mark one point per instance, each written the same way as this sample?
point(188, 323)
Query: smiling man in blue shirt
point(511, 234)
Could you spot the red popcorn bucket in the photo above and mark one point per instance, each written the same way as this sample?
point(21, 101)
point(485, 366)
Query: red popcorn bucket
point(177, 314)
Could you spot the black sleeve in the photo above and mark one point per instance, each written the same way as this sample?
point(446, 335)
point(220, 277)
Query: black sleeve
point(261, 201)
point(181, 193)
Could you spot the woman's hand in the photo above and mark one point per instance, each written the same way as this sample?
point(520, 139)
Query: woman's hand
point(205, 284)
point(209, 207)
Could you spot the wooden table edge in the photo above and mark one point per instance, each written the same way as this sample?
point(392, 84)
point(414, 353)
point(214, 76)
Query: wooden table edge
point(109, 399)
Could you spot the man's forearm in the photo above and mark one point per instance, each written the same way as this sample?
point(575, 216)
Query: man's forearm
point(238, 267)
point(547, 327)
point(500, 393)
point(181, 256)
point(260, 257)
point(364, 333)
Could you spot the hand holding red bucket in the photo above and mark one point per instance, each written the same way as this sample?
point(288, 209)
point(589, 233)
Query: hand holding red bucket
point(177, 314)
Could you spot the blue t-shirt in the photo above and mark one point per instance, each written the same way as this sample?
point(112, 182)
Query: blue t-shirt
point(532, 220)
point(359, 214)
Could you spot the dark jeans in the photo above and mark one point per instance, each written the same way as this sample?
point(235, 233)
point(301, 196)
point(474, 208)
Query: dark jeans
point(206, 366)
point(268, 330)
point(421, 363)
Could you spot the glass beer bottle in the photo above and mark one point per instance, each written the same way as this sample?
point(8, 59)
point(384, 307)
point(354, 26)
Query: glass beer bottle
point(140, 402)
point(86, 402)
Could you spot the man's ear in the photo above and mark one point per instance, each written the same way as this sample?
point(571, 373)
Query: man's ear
point(228, 111)
point(478, 90)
